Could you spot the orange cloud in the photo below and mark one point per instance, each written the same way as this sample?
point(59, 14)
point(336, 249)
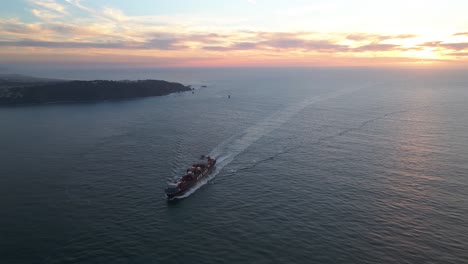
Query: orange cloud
point(377, 37)
point(105, 34)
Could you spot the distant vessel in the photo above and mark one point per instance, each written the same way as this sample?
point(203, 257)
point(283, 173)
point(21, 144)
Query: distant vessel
point(195, 174)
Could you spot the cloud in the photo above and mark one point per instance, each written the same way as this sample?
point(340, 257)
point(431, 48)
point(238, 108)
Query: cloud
point(448, 46)
point(459, 54)
point(96, 60)
point(115, 15)
point(77, 3)
point(67, 29)
point(69, 44)
point(164, 44)
point(50, 5)
point(160, 44)
point(309, 45)
point(245, 45)
point(376, 48)
point(431, 44)
point(48, 10)
point(68, 26)
point(45, 15)
point(218, 48)
point(236, 41)
point(16, 27)
point(377, 37)
point(207, 37)
point(121, 31)
point(455, 46)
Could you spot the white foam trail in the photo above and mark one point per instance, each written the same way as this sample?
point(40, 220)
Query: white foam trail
point(235, 145)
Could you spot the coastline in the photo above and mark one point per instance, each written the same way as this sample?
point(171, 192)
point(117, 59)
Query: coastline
point(86, 91)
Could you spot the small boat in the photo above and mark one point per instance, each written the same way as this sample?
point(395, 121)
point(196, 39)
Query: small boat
point(193, 175)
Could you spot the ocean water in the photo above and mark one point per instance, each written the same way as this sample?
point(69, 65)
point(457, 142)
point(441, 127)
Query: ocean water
point(315, 166)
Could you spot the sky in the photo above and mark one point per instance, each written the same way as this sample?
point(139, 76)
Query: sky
point(235, 33)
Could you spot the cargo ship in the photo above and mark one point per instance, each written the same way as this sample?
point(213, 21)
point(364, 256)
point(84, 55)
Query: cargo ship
point(195, 174)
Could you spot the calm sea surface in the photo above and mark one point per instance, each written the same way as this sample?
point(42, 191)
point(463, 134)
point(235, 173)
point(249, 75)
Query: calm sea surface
point(314, 166)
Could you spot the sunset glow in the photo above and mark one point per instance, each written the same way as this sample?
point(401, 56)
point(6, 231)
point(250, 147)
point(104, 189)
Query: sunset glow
point(233, 33)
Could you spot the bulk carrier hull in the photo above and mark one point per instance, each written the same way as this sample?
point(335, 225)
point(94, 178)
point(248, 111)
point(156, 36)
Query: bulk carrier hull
point(197, 173)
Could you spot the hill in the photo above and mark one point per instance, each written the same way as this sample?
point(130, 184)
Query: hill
point(48, 91)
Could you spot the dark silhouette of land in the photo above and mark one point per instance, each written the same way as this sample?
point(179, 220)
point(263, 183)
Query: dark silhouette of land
point(29, 91)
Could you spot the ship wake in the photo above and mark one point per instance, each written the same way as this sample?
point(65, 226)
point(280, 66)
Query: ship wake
point(237, 144)
point(229, 149)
